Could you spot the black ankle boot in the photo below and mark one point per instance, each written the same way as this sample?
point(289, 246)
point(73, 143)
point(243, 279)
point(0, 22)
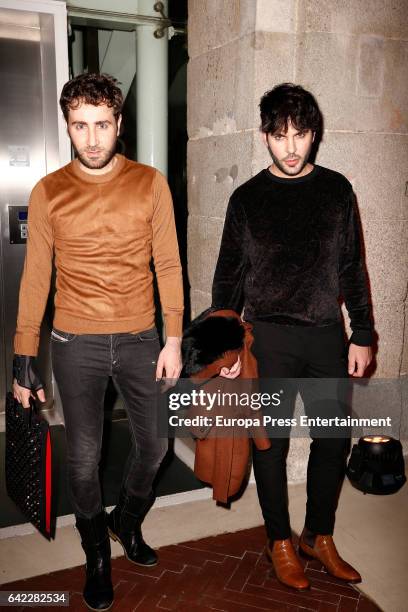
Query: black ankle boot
point(98, 591)
point(124, 524)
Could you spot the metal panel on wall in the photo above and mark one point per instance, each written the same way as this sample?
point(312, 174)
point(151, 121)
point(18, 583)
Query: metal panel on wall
point(30, 147)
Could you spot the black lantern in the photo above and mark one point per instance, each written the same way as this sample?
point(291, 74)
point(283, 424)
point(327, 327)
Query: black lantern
point(376, 465)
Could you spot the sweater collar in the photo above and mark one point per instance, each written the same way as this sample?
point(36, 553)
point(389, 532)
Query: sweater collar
point(292, 181)
point(76, 169)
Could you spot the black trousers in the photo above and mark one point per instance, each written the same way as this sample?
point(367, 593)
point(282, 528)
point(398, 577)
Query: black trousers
point(285, 351)
point(82, 365)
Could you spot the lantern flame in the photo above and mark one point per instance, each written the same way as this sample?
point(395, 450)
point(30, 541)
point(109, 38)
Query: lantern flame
point(376, 439)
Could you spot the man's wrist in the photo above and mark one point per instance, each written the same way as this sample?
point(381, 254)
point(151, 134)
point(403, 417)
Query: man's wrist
point(25, 372)
point(174, 341)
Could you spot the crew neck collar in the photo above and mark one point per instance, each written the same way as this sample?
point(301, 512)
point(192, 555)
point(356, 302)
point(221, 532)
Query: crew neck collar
point(290, 181)
point(98, 178)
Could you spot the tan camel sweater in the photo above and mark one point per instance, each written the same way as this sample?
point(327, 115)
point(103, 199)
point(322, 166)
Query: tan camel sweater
point(103, 231)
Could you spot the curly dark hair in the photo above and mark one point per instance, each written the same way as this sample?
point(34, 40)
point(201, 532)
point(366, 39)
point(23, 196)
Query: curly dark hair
point(91, 88)
point(289, 101)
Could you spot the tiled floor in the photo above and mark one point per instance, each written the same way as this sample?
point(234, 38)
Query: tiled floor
point(227, 572)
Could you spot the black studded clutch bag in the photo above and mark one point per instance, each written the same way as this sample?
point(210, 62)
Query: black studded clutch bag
point(28, 464)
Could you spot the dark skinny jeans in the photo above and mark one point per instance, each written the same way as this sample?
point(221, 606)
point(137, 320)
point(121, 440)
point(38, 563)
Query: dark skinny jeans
point(289, 351)
point(82, 365)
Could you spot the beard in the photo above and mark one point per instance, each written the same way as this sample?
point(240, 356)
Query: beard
point(98, 162)
point(287, 169)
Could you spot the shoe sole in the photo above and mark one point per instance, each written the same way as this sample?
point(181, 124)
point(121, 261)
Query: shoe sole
point(97, 609)
point(117, 539)
point(299, 589)
point(308, 557)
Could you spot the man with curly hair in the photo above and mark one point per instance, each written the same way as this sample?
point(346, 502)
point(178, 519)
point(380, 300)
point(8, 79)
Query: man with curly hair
point(103, 218)
point(290, 248)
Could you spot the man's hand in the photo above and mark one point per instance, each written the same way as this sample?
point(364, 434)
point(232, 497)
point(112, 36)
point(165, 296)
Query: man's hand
point(169, 363)
point(359, 358)
point(26, 380)
point(22, 394)
point(232, 372)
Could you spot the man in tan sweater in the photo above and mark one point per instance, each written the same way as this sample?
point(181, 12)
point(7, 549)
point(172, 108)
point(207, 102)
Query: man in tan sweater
point(103, 218)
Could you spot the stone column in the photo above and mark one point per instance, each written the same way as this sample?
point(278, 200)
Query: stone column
point(353, 57)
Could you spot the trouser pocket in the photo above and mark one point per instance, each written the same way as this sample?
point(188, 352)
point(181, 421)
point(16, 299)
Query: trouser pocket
point(61, 336)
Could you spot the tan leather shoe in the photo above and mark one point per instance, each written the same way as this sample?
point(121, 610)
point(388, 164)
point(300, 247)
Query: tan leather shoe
point(287, 566)
point(322, 547)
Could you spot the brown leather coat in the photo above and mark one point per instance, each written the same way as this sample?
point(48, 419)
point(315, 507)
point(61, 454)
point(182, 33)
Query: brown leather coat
point(223, 461)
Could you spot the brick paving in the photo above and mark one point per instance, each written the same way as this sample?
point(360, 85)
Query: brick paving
point(229, 572)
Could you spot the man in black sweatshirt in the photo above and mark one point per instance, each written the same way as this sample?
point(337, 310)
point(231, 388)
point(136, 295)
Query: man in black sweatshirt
point(290, 248)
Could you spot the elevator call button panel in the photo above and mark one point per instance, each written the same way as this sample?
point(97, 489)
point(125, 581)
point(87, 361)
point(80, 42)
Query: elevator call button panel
point(18, 216)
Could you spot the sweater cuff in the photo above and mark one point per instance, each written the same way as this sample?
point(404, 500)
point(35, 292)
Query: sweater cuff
point(25, 344)
point(174, 325)
point(362, 337)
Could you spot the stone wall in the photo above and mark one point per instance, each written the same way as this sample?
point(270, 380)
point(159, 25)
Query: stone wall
point(353, 57)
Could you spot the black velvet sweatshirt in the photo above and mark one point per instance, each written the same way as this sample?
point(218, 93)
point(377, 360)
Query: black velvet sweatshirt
point(290, 249)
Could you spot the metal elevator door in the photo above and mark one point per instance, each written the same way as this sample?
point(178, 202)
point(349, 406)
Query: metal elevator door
point(29, 148)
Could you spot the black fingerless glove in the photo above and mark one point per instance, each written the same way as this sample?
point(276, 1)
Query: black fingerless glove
point(25, 372)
